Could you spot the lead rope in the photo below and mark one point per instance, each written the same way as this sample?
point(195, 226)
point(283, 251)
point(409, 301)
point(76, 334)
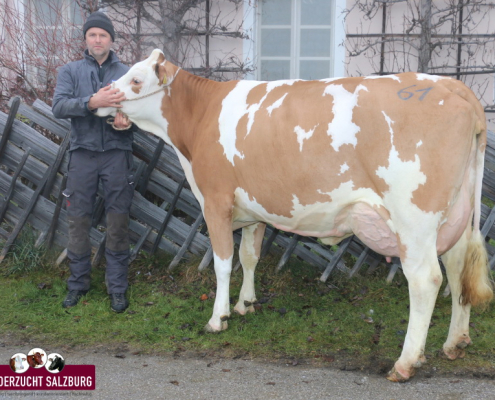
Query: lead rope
point(166, 84)
point(111, 121)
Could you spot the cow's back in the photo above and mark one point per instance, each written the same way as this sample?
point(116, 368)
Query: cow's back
point(306, 150)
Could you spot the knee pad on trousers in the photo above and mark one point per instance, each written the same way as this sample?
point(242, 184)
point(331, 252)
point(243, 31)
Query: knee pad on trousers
point(79, 235)
point(117, 232)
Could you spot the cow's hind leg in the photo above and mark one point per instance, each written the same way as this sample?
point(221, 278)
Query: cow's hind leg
point(467, 272)
point(249, 254)
point(424, 279)
point(458, 337)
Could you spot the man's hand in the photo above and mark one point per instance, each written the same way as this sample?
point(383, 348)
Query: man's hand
point(106, 97)
point(121, 121)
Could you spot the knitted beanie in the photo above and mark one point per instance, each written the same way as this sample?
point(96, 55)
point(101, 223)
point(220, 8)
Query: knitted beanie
point(99, 20)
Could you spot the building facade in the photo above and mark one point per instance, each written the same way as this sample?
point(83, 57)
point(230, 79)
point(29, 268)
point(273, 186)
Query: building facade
point(263, 39)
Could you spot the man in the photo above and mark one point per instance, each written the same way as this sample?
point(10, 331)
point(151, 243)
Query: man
point(97, 151)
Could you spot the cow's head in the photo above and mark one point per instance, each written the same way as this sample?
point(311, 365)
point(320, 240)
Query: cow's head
point(144, 86)
point(31, 361)
point(56, 363)
point(38, 357)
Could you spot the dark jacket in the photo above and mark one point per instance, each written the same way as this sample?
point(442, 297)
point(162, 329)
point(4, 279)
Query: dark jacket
point(77, 81)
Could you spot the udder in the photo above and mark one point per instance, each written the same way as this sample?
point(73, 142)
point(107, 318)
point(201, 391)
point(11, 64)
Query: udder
point(374, 228)
point(457, 219)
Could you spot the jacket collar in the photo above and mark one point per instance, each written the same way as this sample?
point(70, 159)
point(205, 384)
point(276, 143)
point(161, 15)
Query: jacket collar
point(112, 57)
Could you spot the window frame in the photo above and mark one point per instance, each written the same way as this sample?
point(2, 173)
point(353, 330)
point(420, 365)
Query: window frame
point(337, 37)
point(69, 8)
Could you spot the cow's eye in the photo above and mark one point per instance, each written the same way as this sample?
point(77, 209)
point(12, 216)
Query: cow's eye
point(136, 81)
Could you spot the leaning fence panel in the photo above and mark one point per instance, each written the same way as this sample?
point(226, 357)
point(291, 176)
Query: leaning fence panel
point(165, 214)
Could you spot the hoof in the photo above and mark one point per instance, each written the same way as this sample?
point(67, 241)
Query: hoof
point(453, 353)
point(462, 345)
point(211, 329)
point(244, 308)
point(421, 361)
point(396, 376)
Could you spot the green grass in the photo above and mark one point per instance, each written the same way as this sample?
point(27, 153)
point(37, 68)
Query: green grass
point(361, 319)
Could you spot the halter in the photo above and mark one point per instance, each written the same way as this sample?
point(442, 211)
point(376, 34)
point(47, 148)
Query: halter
point(166, 84)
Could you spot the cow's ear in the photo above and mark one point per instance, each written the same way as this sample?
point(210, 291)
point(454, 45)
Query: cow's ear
point(160, 70)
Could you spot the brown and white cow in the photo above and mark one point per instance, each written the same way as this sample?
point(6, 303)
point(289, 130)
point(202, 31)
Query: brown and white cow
point(12, 364)
point(396, 160)
point(16, 363)
point(35, 360)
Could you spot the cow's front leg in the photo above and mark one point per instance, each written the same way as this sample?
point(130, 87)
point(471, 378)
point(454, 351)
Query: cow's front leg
point(219, 220)
point(249, 254)
point(221, 308)
point(424, 278)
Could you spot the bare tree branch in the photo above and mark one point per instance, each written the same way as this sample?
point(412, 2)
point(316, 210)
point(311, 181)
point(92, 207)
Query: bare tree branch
point(32, 48)
point(450, 37)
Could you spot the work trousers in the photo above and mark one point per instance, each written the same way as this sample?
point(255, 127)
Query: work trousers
point(86, 169)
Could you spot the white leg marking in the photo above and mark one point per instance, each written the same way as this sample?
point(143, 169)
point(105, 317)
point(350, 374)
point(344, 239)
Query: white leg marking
point(459, 324)
point(249, 259)
point(424, 277)
point(221, 308)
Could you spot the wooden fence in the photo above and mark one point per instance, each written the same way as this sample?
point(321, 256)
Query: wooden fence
point(164, 214)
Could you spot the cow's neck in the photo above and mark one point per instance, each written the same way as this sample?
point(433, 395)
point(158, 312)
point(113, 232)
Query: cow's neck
point(191, 109)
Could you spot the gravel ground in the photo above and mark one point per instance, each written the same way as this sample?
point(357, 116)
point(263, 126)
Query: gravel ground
point(135, 376)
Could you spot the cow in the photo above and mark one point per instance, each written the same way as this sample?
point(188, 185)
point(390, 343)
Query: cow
point(18, 363)
point(396, 160)
point(35, 360)
point(57, 363)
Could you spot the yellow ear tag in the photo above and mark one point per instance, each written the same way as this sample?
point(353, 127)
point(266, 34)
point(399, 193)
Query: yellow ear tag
point(165, 80)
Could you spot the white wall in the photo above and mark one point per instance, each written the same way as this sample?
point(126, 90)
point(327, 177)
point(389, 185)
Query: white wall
point(400, 56)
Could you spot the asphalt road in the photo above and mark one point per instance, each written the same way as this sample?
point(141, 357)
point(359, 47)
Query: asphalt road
point(134, 376)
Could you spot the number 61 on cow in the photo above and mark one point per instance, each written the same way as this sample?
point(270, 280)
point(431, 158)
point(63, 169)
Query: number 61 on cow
point(331, 158)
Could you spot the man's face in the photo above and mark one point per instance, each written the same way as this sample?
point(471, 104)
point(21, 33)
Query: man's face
point(98, 42)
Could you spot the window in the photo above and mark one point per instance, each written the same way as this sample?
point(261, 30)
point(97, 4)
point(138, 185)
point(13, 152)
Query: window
point(54, 32)
point(295, 39)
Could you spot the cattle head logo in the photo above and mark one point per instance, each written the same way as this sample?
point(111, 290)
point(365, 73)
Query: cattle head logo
point(18, 363)
point(55, 363)
point(36, 358)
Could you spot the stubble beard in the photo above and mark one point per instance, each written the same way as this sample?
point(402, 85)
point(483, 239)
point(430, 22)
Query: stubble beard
point(99, 55)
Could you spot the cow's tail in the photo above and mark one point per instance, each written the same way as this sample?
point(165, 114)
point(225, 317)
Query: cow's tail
point(477, 287)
